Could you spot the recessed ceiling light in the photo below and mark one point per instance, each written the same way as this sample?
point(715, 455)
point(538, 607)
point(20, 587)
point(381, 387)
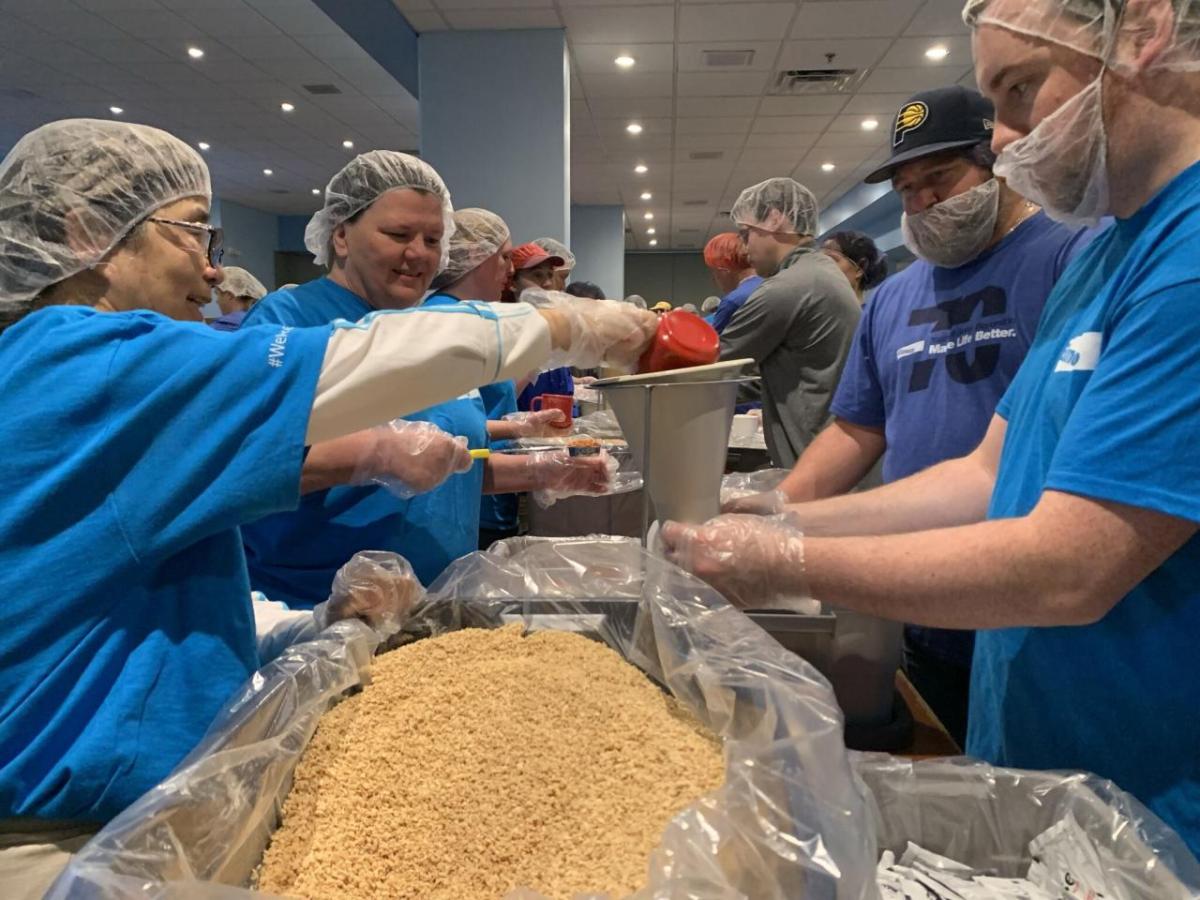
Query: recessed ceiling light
point(641, 168)
point(287, 107)
point(116, 110)
point(195, 53)
point(653, 242)
point(870, 124)
point(646, 195)
point(268, 172)
point(203, 145)
point(651, 231)
point(625, 62)
point(317, 191)
point(349, 145)
point(633, 128)
point(937, 52)
point(648, 216)
point(827, 167)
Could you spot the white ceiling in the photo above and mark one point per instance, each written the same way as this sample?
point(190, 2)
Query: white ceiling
point(78, 57)
point(685, 107)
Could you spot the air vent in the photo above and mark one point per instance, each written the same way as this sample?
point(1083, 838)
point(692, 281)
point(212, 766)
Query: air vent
point(698, 155)
point(695, 203)
point(727, 59)
point(322, 88)
point(17, 94)
point(817, 81)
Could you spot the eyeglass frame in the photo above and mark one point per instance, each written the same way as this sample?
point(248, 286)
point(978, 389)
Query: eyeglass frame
point(215, 249)
point(835, 253)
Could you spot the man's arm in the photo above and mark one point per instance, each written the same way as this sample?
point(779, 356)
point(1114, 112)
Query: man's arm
point(835, 462)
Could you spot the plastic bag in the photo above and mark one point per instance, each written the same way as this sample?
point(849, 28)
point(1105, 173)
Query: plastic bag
point(786, 823)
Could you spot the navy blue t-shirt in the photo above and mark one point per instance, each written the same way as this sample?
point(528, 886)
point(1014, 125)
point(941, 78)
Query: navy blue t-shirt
point(935, 351)
point(733, 301)
point(134, 447)
point(1107, 406)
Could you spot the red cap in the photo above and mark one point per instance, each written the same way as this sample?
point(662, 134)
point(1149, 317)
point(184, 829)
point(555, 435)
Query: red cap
point(529, 255)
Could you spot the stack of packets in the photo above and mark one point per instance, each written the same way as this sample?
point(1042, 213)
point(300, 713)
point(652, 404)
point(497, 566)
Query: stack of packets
point(1066, 866)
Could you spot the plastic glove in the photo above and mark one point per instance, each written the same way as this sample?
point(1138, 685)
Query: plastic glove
point(755, 562)
point(557, 474)
point(754, 493)
point(410, 458)
point(602, 332)
point(376, 586)
point(767, 503)
point(538, 424)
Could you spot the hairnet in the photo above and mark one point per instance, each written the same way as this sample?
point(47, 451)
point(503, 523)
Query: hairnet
point(71, 190)
point(557, 248)
point(781, 205)
point(726, 251)
point(241, 283)
point(478, 234)
point(364, 180)
point(1089, 26)
point(710, 304)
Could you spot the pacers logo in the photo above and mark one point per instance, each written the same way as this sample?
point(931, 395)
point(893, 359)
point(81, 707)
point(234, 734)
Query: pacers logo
point(912, 117)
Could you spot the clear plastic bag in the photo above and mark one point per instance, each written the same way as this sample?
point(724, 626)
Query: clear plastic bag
point(786, 824)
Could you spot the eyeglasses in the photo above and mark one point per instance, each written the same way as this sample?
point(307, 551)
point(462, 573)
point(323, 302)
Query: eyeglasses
point(214, 248)
point(837, 254)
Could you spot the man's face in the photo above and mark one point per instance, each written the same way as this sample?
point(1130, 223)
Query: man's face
point(1027, 79)
point(560, 278)
point(927, 182)
point(494, 274)
point(539, 276)
point(764, 248)
point(164, 267)
point(392, 250)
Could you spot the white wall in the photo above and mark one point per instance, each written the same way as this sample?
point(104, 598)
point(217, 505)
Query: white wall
point(598, 242)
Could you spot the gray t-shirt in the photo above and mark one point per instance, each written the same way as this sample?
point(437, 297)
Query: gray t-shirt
point(798, 327)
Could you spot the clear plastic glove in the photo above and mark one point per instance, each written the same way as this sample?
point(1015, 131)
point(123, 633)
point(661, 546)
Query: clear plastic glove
point(754, 493)
point(767, 503)
point(557, 474)
point(376, 586)
point(602, 332)
point(543, 423)
point(755, 562)
point(410, 458)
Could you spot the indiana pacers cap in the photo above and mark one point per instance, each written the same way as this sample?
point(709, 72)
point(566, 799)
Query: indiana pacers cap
point(935, 121)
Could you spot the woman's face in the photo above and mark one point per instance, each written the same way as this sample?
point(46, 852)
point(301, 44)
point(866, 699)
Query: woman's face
point(494, 274)
point(392, 250)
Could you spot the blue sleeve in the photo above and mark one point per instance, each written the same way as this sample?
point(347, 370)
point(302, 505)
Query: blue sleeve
point(859, 395)
point(1130, 437)
point(1078, 242)
point(214, 424)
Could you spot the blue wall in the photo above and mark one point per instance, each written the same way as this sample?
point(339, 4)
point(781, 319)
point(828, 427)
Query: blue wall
point(598, 242)
point(291, 233)
point(250, 238)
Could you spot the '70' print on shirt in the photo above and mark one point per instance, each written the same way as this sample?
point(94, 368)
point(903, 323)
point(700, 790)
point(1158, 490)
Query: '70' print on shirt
point(966, 358)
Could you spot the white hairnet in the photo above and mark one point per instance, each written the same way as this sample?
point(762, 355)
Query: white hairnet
point(72, 189)
point(710, 304)
point(556, 248)
point(637, 300)
point(780, 205)
point(242, 284)
point(478, 234)
point(1089, 26)
point(364, 180)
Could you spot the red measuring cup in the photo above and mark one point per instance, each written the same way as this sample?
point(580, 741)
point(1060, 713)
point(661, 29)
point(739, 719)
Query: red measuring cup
point(683, 340)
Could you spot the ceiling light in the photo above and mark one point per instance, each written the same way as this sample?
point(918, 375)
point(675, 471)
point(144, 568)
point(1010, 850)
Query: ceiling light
point(625, 62)
point(349, 145)
point(870, 124)
point(653, 242)
point(633, 128)
point(641, 168)
point(827, 167)
point(317, 191)
point(937, 52)
point(651, 231)
point(286, 107)
point(115, 110)
point(646, 195)
point(268, 172)
point(648, 216)
point(203, 145)
point(195, 53)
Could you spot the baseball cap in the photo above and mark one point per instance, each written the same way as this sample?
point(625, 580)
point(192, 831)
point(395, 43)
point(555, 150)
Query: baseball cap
point(662, 304)
point(529, 255)
point(934, 121)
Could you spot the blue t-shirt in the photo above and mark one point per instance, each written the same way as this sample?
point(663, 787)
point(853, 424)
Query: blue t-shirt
point(935, 351)
point(556, 381)
point(1107, 406)
point(294, 556)
point(230, 321)
point(499, 512)
point(136, 446)
point(733, 301)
